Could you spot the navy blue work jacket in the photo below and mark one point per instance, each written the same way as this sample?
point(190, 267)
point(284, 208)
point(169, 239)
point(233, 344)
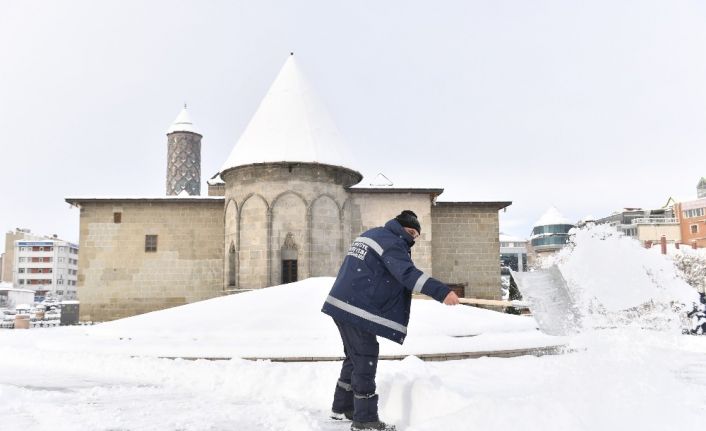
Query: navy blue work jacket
point(373, 289)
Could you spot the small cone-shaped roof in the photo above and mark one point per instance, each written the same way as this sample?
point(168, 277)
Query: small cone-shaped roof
point(381, 181)
point(182, 123)
point(290, 125)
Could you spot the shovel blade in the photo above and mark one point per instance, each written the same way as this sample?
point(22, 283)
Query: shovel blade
point(549, 300)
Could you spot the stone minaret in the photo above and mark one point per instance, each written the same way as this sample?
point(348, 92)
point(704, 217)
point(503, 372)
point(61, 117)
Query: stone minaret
point(183, 157)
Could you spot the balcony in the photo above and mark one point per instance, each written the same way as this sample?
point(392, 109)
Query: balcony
point(655, 220)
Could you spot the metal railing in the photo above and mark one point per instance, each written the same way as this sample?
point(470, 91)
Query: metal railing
point(655, 220)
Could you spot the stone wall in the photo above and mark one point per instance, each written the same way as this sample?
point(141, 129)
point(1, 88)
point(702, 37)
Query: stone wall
point(289, 217)
point(118, 278)
point(275, 199)
point(216, 189)
point(326, 237)
point(9, 258)
point(370, 209)
point(654, 232)
point(467, 247)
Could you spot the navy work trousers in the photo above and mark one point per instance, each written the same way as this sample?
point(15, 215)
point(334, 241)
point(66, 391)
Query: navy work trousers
point(357, 374)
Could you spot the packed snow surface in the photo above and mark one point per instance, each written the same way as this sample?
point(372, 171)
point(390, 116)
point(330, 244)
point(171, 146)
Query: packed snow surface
point(621, 376)
point(286, 321)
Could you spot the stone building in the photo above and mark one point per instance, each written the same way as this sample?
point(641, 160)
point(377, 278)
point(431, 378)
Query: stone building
point(285, 206)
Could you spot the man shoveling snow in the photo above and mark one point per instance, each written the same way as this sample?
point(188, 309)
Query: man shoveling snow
point(371, 296)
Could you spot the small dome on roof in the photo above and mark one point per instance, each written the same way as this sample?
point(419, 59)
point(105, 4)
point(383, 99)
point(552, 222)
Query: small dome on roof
point(552, 217)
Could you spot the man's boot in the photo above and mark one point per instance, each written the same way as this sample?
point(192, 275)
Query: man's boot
point(342, 402)
point(372, 426)
point(365, 414)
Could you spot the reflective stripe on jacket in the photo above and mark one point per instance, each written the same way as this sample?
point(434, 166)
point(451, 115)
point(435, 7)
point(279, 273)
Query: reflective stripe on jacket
point(373, 289)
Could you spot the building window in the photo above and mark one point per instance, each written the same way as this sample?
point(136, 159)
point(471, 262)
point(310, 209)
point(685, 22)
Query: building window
point(21, 270)
point(60, 281)
point(22, 281)
point(289, 271)
point(117, 217)
point(22, 259)
point(694, 228)
point(150, 243)
point(698, 212)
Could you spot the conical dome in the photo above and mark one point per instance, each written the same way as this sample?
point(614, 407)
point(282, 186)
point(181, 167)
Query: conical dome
point(182, 123)
point(290, 125)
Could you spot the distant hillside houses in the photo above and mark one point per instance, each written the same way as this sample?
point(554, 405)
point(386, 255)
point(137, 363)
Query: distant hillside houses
point(680, 221)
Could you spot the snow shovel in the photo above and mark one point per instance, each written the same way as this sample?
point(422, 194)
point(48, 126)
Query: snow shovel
point(549, 300)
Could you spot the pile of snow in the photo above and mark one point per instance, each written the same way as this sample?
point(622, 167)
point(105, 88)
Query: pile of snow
point(286, 321)
point(607, 273)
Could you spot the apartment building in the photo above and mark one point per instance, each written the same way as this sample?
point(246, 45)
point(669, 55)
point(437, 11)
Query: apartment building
point(646, 224)
point(49, 267)
point(692, 221)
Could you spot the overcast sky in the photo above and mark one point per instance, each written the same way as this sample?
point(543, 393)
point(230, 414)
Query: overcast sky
point(587, 106)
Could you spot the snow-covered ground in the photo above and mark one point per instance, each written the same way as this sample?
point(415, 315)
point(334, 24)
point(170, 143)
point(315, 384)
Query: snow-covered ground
point(637, 374)
point(285, 321)
point(621, 379)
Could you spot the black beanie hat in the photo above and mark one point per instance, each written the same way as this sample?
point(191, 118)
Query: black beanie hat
point(408, 218)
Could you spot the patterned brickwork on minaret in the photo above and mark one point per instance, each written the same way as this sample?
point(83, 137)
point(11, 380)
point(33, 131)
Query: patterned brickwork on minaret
point(183, 157)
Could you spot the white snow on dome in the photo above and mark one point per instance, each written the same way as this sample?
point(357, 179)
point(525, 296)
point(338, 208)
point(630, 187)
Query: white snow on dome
point(182, 123)
point(552, 216)
point(290, 125)
point(215, 180)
